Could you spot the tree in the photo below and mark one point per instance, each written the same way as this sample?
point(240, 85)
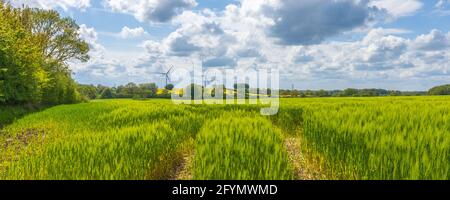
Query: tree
point(35, 47)
point(131, 89)
point(2, 82)
point(88, 91)
point(309, 93)
point(20, 61)
point(350, 92)
point(169, 87)
point(322, 93)
point(295, 93)
point(57, 37)
point(106, 94)
point(395, 93)
point(440, 90)
point(149, 90)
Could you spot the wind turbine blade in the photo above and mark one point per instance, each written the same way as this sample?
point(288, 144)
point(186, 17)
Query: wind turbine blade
point(168, 72)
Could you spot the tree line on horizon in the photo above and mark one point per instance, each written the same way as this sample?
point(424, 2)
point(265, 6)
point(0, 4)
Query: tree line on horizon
point(349, 92)
point(128, 91)
point(440, 90)
point(151, 90)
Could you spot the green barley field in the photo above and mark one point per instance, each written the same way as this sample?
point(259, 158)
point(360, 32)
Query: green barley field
point(327, 138)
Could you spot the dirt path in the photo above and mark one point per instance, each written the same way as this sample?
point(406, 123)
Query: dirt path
point(304, 168)
point(296, 158)
point(184, 169)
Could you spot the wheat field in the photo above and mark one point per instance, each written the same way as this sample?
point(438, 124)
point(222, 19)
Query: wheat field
point(342, 138)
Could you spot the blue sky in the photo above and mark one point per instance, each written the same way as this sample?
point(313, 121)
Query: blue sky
point(318, 44)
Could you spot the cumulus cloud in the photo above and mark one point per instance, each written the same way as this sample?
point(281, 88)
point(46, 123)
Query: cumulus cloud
point(309, 22)
point(435, 40)
point(399, 8)
point(132, 32)
point(51, 4)
point(179, 45)
point(378, 54)
point(381, 48)
point(442, 7)
point(153, 47)
point(442, 4)
point(251, 33)
point(239, 35)
point(150, 10)
point(88, 34)
point(107, 67)
point(247, 52)
point(97, 51)
point(198, 33)
point(220, 62)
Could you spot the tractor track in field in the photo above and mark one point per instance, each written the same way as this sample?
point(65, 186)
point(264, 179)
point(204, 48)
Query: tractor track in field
point(305, 168)
point(296, 158)
point(184, 169)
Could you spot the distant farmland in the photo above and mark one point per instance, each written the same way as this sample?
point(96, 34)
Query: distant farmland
point(331, 138)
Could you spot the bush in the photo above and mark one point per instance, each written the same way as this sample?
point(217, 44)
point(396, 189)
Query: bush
point(440, 90)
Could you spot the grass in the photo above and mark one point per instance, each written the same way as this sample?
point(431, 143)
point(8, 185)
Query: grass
point(379, 138)
point(9, 114)
point(236, 146)
point(347, 138)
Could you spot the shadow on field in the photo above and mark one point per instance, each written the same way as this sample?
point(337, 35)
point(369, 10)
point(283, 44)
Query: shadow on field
point(10, 114)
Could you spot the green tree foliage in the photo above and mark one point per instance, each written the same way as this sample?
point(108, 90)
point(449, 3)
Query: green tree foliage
point(440, 90)
point(57, 37)
point(35, 46)
point(128, 91)
point(348, 93)
point(107, 94)
point(88, 91)
point(149, 90)
point(20, 60)
point(169, 87)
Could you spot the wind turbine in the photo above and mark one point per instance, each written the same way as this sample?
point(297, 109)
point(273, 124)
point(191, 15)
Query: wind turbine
point(208, 81)
point(167, 75)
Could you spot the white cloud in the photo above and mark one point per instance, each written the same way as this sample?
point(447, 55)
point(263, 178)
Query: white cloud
point(399, 8)
point(395, 31)
point(150, 10)
point(442, 3)
point(312, 21)
point(51, 4)
point(241, 35)
point(382, 48)
point(88, 34)
point(132, 32)
point(97, 51)
point(152, 47)
point(435, 40)
point(443, 7)
point(198, 33)
point(377, 58)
